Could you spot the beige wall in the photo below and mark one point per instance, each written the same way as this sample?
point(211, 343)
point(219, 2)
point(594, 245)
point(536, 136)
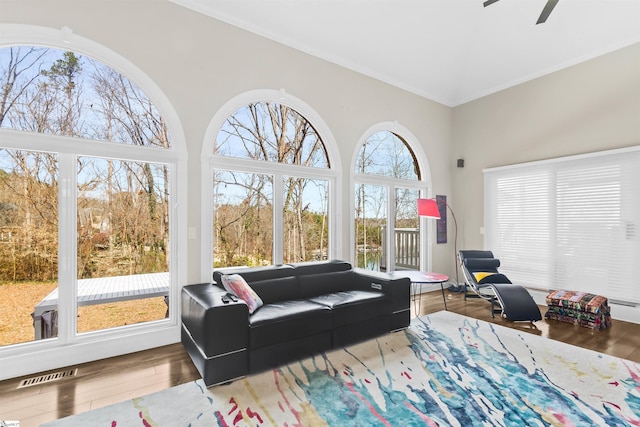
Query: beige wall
point(592, 106)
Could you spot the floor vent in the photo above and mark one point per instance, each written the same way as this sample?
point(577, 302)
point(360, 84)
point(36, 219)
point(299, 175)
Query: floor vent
point(47, 378)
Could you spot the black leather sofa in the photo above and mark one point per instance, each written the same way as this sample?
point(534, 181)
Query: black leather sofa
point(308, 308)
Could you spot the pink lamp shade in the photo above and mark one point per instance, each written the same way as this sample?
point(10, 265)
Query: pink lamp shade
point(428, 208)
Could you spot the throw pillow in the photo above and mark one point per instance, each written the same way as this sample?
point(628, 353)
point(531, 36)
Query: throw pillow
point(481, 275)
point(236, 285)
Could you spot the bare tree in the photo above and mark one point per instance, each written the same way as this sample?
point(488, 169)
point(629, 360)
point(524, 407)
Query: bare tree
point(54, 92)
point(275, 132)
point(243, 217)
point(19, 72)
point(31, 184)
point(133, 119)
point(63, 76)
point(28, 192)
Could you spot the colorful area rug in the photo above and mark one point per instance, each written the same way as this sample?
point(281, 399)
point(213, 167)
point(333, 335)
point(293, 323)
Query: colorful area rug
point(446, 370)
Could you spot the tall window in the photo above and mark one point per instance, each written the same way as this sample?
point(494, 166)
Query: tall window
point(271, 188)
point(570, 223)
point(387, 232)
point(80, 218)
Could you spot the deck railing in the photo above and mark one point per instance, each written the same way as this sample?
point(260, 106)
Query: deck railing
point(406, 248)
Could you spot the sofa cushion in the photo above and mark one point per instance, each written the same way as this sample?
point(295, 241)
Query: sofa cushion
point(313, 285)
point(253, 274)
point(235, 284)
point(286, 321)
point(353, 306)
point(272, 283)
point(320, 267)
point(276, 290)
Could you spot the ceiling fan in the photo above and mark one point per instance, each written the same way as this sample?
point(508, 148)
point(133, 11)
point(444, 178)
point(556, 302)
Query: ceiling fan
point(545, 12)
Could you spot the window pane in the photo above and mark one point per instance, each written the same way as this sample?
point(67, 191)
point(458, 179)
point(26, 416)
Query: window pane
point(123, 241)
point(58, 92)
point(305, 219)
point(242, 219)
point(370, 223)
point(385, 153)
point(271, 132)
point(28, 245)
point(407, 231)
point(518, 226)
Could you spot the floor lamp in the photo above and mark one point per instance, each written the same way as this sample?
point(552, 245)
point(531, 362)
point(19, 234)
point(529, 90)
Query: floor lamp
point(429, 208)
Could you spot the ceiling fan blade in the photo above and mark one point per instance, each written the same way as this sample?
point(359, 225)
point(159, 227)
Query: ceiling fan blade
point(489, 2)
point(546, 11)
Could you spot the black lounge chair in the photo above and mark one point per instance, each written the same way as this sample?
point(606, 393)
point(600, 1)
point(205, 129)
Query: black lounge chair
point(483, 280)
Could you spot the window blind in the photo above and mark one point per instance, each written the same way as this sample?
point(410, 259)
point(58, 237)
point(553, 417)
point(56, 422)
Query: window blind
point(568, 223)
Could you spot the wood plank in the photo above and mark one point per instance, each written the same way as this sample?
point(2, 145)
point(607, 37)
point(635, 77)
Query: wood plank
point(111, 289)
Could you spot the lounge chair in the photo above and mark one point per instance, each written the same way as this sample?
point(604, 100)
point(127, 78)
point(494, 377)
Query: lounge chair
point(483, 280)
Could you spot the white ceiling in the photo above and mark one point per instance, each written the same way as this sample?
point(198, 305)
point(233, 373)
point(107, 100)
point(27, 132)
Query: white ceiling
point(450, 51)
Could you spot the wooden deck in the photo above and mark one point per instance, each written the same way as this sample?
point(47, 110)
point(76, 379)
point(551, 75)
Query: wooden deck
point(104, 290)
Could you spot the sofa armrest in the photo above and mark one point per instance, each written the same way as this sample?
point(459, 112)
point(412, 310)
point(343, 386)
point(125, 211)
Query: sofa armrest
point(397, 288)
point(215, 325)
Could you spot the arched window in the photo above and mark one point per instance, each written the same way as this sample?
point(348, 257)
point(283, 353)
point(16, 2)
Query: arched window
point(88, 171)
point(388, 181)
point(386, 154)
point(272, 185)
point(271, 132)
point(58, 92)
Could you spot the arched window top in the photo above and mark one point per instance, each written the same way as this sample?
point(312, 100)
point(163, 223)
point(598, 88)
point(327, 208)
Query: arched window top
point(273, 132)
point(62, 92)
point(385, 153)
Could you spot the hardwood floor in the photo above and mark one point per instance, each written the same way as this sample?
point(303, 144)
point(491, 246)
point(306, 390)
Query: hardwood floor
point(97, 384)
point(104, 382)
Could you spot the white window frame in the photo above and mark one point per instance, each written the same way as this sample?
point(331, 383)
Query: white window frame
point(210, 162)
point(391, 184)
point(69, 347)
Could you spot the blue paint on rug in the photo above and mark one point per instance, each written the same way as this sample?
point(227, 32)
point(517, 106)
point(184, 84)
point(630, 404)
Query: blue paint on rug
point(445, 370)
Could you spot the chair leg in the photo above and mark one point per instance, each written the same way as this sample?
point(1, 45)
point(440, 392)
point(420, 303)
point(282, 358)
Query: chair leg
point(466, 287)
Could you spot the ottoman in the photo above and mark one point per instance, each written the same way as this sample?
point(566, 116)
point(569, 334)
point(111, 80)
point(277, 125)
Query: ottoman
point(580, 308)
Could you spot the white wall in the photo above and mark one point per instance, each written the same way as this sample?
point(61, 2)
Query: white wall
point(592, 106)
